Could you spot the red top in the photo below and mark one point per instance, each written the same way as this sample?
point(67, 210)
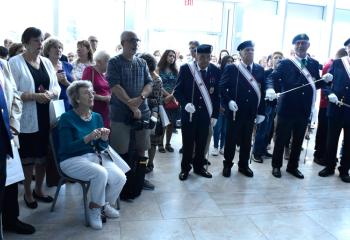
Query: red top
point(101, 87)
point(324, 99)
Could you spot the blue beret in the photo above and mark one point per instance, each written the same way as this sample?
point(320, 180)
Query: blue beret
point(244, 45)
point(205, 48)
point(347, 42)
point(300, 37)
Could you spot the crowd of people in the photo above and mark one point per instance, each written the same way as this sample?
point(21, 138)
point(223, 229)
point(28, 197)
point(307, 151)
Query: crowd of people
point(131, 102)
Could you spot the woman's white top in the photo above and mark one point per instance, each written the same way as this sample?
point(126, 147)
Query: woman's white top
point(25, 83)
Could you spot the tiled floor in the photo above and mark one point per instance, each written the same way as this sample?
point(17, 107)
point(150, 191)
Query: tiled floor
point(219, 208)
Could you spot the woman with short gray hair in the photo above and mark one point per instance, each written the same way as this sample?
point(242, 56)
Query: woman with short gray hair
point(96, 74)
point(81, 133)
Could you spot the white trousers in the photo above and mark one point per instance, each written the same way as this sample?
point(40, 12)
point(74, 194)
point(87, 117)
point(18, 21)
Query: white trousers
point(106, 181)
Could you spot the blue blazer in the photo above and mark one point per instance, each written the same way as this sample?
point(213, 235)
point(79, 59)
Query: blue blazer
point(287, 76)
point(5, 132)
point(183, 90)
point(244, 95)
point(340, 87)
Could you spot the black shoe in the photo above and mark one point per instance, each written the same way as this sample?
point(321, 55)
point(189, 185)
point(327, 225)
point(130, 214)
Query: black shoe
point(246, 171)
point(206, 162)
point(258, 159)
point(296, 173)
point(203, 173)
point(345, 177)
point(19, 227)
point(147, 185)
point(326, 172)
point(169, 148)
point(31, 205)
point(276, 172)
point(268, 155)
point(319, 161)
point(149, 169)
point(46, 199)
point(226, 172)
point(161, 149)
point(183, 176)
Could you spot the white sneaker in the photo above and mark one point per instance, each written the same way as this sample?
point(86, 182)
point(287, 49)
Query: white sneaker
point(95, 218)
point(221, 151)
point(215, 152)
point(110, 211)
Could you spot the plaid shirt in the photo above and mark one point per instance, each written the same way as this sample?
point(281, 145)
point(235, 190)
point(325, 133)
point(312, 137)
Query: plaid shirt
point(132, 76)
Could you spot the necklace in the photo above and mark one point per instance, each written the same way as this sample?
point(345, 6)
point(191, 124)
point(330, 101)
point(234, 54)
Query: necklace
point(84, 116)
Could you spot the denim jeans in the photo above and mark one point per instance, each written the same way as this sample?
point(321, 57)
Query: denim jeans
point(220, 131)
point(263, 131)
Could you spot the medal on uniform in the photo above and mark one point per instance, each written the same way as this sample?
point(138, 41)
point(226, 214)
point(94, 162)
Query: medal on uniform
point(211, 90)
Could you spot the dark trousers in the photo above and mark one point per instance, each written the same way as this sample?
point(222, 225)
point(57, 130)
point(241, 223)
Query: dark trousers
point(334, 128)
point(194, 134)
point(321, 134)
point(263, 131)
point(238, 131)
point(287, 126)
point(10, 205)
point(2, 178)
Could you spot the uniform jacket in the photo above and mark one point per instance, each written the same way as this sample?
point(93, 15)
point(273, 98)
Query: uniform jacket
point(340, 87)
point(244, 95)
point(298, 102)
point(183, 90)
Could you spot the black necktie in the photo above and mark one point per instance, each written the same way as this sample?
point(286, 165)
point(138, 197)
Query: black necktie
point(249, 68)
point(203, 74)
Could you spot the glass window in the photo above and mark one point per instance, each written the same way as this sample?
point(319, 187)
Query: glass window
point(79, 19)
point(304, 19)
point(340, 30)
point(17, 15)
point(258, 21)
point(173, 24)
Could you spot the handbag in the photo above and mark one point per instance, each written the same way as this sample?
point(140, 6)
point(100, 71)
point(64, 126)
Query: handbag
point(56, 109)
point(172, 105)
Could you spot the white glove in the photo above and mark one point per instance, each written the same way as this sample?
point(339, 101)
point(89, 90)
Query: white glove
point(232, 105)
point(271, 94)
point(213, 122)
point(259, 119)
point(190, 108)
point(327, 77)
point(333, 98)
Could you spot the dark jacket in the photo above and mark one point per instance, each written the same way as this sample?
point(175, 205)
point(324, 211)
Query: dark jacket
point(244, 95)
point(287, 76)
point(183, 90)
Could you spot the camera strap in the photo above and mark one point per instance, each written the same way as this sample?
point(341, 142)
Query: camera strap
point(98, 153)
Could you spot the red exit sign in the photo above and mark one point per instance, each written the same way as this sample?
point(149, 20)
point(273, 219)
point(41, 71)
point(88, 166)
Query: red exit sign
point(188, 2)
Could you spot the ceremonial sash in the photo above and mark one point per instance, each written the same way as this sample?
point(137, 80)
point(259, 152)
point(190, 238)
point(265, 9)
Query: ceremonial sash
point(250, 79)
point(346, 64)
point(308, 77)
point(201, 86)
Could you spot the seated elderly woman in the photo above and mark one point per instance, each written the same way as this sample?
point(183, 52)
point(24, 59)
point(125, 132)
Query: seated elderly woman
point(81, 132)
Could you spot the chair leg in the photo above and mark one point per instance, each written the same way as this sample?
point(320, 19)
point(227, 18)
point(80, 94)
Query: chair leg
point(118, 203)
point(85, 190)
point(60, 183)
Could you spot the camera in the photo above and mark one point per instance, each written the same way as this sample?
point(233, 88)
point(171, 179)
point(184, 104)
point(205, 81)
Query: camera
point(139, 124)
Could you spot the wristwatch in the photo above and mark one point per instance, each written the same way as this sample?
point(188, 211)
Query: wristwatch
point(143, 97)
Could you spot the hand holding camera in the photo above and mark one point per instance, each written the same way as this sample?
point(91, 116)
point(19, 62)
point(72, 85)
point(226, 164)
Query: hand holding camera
point(104, 133)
